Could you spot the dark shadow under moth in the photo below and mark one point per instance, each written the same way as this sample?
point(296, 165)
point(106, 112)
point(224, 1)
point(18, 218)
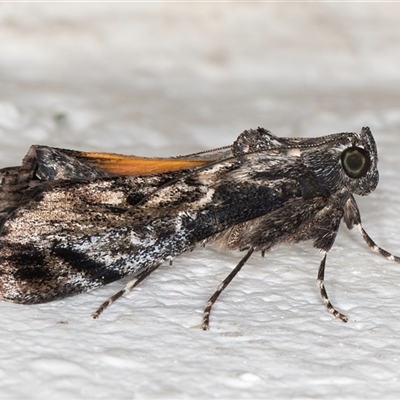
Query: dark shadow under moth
point(74, 221)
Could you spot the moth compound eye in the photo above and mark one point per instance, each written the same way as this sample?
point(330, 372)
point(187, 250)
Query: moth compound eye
point(356, 162)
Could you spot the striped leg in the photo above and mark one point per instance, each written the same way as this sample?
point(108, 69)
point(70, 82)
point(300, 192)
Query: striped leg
point(206, 314)
point(374, 247)
point(128, 287)
point(324, 294)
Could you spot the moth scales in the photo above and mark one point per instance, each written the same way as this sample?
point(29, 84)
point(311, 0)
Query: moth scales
point(74, 221)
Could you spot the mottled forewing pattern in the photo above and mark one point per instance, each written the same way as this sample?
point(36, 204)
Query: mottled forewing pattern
point(67, 226)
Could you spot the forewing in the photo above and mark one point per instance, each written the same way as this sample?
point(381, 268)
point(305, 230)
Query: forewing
point(77, 236)
point(78, 226)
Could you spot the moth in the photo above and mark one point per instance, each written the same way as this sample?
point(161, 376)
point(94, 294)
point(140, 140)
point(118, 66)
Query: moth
point(74, 221)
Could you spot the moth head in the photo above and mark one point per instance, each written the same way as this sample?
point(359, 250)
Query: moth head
point(359, 163)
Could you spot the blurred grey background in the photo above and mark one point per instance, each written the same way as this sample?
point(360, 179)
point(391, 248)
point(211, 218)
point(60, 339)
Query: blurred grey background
point(139, 77)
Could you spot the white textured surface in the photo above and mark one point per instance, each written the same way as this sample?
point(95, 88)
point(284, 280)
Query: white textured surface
point(170, 78)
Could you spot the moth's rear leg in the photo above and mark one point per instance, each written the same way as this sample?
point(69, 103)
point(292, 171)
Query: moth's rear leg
point(206, 314)
point(128, 287)
point(324, 294)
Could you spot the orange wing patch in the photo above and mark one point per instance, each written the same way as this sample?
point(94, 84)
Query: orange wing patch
point(138, 166)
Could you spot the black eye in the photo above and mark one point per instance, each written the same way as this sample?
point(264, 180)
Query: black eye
point(356, 162)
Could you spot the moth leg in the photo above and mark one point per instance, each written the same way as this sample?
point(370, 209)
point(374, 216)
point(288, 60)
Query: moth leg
point(128, 287)
point(205, 326)
point(324, 294)
point(353, 219)
point(374, 247)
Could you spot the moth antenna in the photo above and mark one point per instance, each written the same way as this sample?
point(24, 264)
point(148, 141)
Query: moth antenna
point(128, 288)
point(324, 294)
point(374, 247)
point(205, 326)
